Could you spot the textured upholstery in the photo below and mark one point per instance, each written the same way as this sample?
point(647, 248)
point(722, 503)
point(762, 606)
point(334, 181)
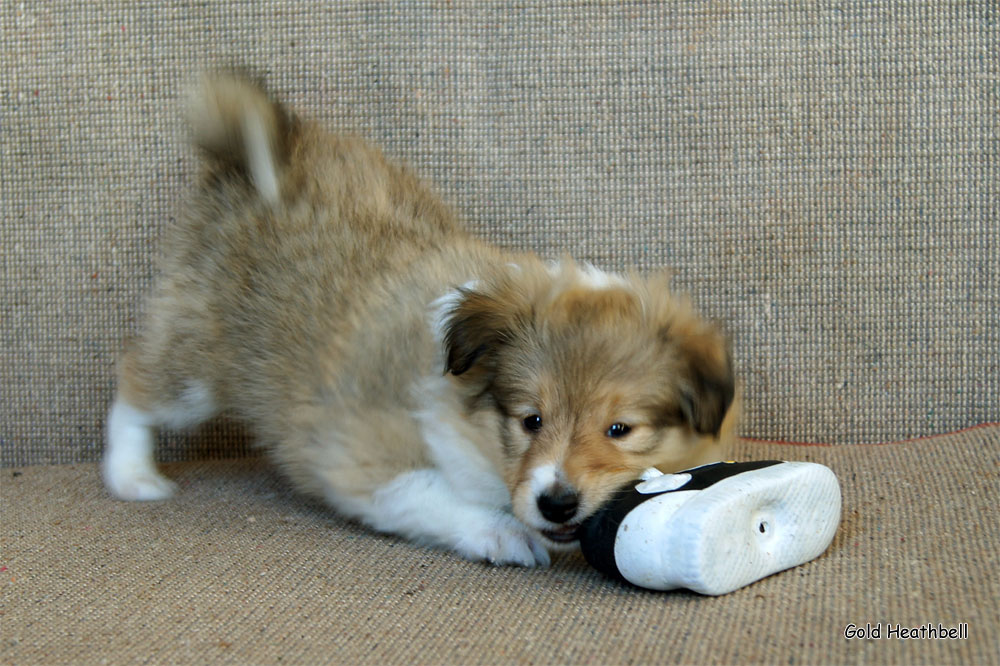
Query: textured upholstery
point(822, 178)
point(235, 570)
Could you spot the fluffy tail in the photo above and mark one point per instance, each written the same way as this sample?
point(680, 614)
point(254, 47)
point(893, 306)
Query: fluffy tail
point(239, 126)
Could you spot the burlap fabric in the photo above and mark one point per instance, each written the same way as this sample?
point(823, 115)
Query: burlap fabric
point(235, 570)
point(822, 177)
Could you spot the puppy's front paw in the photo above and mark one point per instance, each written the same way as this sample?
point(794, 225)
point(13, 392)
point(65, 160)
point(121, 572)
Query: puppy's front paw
point(504, 540)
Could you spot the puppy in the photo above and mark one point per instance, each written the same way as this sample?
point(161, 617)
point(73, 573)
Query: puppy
point(417, 379)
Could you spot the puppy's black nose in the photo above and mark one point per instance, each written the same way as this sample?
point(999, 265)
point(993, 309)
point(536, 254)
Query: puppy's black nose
point(559, 506)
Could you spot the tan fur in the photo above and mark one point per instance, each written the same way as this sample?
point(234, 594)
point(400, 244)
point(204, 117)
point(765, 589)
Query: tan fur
point(307, 317)
point(586, 359)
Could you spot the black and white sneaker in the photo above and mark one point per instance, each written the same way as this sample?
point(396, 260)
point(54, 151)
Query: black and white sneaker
point(715, 528)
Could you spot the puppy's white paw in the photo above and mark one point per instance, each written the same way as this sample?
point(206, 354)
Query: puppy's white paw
point(138, 484)
point(128, 467)
point(505, 540)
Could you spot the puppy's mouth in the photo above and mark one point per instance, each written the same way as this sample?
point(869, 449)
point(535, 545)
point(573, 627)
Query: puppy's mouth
point(562, 534)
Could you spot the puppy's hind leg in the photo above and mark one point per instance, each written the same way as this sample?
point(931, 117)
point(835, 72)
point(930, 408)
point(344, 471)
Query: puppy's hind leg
point(129, 466)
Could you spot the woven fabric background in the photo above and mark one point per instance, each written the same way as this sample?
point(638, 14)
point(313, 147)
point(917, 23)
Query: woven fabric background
point(234, 570)
point(823, 177)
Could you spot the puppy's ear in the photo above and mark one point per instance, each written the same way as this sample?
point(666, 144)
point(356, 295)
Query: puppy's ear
point(477, 324)
point(707, 392)
point(705, 373)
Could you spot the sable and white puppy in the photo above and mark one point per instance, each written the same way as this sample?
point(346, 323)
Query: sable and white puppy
point(416, 378)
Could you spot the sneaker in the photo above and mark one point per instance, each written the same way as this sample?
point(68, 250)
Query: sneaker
point(715, 528)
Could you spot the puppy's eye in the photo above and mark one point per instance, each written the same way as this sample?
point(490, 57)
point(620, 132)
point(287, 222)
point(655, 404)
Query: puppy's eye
point(532, 423)
point(618, 430)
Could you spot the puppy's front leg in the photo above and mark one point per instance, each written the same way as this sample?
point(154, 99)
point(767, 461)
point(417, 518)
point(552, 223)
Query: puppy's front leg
point(421, 505)
point(456, 445)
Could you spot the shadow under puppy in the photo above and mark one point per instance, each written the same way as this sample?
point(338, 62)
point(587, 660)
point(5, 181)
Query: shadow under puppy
point(417, 379)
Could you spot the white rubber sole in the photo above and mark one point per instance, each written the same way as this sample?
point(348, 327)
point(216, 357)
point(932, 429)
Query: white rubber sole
point(732, 533)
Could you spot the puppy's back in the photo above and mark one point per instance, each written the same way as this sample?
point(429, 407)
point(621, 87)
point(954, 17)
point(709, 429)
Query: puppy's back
point(290, 250)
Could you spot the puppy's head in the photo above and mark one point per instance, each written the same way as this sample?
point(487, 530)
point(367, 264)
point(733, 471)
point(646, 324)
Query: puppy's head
point(594, 377)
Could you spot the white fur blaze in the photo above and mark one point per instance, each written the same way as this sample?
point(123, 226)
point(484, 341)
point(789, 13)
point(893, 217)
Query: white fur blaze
point(589, 276)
